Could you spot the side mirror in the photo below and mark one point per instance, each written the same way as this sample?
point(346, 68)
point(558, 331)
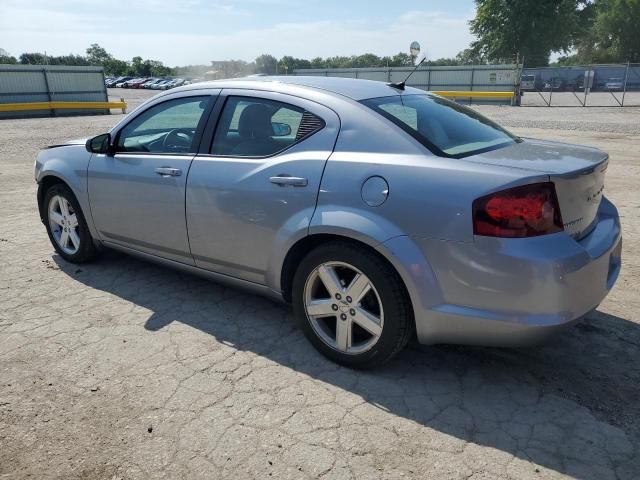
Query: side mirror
point(280, 129)
point(99, 144)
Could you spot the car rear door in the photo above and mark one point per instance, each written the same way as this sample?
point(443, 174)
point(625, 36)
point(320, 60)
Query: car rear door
point(252, 187)
point(137, 194)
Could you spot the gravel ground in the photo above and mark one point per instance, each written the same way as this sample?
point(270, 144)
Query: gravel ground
point(591, 120)
point(122, 370)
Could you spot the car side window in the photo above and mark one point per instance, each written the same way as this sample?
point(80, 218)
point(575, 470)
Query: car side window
point(169, 127)
point(257, 127)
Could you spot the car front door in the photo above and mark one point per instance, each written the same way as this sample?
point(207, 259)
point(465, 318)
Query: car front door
point(137, 194)
point(258, 182)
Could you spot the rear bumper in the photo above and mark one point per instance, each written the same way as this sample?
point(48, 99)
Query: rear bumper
point(509, 292)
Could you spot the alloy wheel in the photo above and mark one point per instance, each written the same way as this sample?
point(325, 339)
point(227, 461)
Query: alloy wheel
point(63, 222)
point(343, 307)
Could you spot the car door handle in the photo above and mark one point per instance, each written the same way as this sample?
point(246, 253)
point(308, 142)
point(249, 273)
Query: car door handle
point(168, 171)
point(284, 180)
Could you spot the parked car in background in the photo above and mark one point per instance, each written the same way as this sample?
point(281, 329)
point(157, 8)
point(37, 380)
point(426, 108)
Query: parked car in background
point(151, 82)
point(160, 85)
point(139, 83)
point(117, 80)
point(135, 82)
point(554, 84)
point(379, 212)
point(615, 84)
point(122, 83)
point(576, 83)
point(176, 82)
point(528, 83)
point(168, 85)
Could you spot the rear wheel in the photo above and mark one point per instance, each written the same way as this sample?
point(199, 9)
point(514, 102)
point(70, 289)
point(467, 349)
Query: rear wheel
point(66, 225)
point(352, 305)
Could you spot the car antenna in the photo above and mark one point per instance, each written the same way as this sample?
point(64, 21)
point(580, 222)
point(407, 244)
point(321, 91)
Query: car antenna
point(401, 85)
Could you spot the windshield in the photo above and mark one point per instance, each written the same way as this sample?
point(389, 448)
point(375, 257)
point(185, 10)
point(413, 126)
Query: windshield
point(444, 127)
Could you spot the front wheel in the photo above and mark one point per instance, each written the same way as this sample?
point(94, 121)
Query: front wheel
point(352, 305)
point(66, 225)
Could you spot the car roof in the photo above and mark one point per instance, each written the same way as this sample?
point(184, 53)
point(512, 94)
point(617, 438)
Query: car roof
point(356, 89)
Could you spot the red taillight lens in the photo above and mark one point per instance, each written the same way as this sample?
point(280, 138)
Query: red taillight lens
point(526, 211)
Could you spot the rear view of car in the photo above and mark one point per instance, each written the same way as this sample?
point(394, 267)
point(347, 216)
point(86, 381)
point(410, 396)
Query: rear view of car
point(535, 244)
point(614, 84)
point(528, 82)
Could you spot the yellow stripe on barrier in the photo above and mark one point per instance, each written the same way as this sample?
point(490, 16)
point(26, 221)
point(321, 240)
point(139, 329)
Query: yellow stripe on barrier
point(455, 93)
point(22, 107)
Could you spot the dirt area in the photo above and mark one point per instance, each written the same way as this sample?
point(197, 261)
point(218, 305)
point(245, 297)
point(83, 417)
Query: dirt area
point(122, 369)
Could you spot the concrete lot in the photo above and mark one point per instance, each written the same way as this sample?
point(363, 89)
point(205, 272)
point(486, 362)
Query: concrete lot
point(123, 370)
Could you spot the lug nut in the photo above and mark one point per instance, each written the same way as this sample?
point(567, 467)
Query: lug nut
point(352, 312)
point(334, 307)
point(338, 296)
point(343, 317)
point(349, 299)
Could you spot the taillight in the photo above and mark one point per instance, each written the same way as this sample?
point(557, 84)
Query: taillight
point(526, 211)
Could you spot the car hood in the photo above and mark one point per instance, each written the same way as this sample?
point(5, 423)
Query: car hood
point(552, 158)
point(78, 141)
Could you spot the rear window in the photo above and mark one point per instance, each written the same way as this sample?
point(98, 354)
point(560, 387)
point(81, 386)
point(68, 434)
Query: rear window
point(444, 127)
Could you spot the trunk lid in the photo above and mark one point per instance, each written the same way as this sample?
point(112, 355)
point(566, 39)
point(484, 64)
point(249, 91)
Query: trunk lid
point(577, 172)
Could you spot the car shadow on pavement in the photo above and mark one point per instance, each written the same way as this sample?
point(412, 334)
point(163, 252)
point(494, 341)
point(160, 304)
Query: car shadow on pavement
point(570, 405)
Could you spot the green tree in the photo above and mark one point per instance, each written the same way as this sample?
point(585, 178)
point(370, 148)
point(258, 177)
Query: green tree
point(318, 62)
point(96, 55)
point(266, 64)
point(401, 60)
point(608, 33)
point(470, 56)
point(369, 60)
point(115, 67)
point(6, 57)
point(617, 29)
point(442, 62)
point(136, 68)
point(34, 58)
point(529, 28)
point(289, 64)
point(155, 68)
point(37, 58)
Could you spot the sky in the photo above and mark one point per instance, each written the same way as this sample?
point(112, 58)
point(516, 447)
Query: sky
point(196, 31)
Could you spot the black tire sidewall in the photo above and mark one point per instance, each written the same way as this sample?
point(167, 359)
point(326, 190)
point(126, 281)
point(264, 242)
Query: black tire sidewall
point(87, 248)
point(384, 278)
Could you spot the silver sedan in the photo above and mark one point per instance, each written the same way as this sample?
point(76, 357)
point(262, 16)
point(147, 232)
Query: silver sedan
point(379, 212)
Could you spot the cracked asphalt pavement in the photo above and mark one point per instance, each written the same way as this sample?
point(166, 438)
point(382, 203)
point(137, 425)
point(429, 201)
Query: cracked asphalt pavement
point(122, 369)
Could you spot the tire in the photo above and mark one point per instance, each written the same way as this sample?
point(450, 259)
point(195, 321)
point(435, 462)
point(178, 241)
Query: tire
point(393, 317)
point(86, 250)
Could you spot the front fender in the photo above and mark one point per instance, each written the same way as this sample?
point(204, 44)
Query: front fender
point(69, 164)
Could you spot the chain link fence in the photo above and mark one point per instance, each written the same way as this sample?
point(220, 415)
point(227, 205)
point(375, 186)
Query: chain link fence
point(581, 86)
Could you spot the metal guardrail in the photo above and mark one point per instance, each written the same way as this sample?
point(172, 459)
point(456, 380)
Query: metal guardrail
point(21, 107)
